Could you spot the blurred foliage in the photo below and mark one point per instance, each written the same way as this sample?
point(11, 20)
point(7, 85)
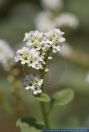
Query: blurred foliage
point(16, 18)
point(29, 124)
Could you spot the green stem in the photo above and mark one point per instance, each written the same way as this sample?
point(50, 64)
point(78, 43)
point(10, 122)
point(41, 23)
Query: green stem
point(44, 113)
point(45, 117)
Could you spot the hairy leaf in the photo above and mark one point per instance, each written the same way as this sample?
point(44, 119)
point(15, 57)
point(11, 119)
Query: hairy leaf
point(43, 97)
point(63, 97)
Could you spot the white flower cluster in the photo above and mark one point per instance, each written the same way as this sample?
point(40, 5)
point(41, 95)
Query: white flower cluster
point(30, 57)
point(51, 17)
point(34, 84)
point(6, 54)
point(37, 46)
point(38, 49)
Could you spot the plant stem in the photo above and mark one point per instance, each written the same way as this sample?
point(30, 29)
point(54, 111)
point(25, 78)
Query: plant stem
point(44, 114)
point(42, 104)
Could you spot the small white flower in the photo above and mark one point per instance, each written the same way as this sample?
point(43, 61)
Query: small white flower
point(49, 57)
point(29, 87)
point(46, 70)
point(38, 82)
point(37, 91)
point(34, 59)
point(28, 82)
point(22, 55)
point(33, 83)
point(56, 48)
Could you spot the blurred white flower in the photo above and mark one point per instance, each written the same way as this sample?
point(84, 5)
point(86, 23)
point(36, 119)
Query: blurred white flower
point(65, 50)
point(51, 17)
point(6, 54)
point(44, 21)
point(49, 57)
point(52, 4)
point(66, 19)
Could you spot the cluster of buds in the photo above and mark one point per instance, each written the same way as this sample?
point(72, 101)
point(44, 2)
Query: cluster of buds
point(38, 49)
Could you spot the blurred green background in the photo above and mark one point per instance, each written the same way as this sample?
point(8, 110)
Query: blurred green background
point(16, 18)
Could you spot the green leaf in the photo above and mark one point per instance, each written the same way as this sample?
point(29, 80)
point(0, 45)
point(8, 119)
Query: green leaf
point(28, 125)
point(23, 126)
point(63, 97)
point(43, 98)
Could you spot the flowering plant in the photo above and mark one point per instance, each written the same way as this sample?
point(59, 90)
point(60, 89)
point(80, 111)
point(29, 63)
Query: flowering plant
point(36, 54)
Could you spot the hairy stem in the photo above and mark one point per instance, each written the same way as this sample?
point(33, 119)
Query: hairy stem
point(44, 114)
point(42, 104)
